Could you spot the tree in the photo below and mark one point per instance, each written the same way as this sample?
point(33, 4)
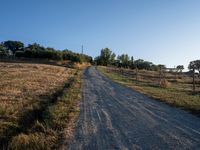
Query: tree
point(154, 67)
point(197, 64)
point(97, 60)
point(105, 56)
point(37, 51)
point(180, 68)
point(112, 58)
point(141, 64)
point(14, 46)
point(193, 66)
point(147, 65)
point(3, 51)
point(132, 62)
point(162, 67)
point(124, 60)
point(35, 47)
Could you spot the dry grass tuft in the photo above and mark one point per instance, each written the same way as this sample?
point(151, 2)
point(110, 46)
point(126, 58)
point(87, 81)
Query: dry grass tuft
point(33, 141)
point(164, 83)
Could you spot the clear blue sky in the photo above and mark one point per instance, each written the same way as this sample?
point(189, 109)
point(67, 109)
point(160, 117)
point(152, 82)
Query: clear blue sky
point(161, 31)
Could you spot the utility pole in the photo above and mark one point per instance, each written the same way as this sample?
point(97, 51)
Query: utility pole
point(82, 50)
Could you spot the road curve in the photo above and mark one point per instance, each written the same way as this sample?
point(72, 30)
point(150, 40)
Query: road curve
point(115, 117)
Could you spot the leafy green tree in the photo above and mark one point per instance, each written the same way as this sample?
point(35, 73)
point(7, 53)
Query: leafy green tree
point(37, 51)
point(141, 64)
point(132, 63)
point(112, 58)
point(147, 65)
point(3, 51)
point(35, 47)
point(97, 60)
point(14, 46)
point(193, 66)
point(197, 62)
point(105, 56)
point(124, 60)
point(180, 68)
point(154, 67)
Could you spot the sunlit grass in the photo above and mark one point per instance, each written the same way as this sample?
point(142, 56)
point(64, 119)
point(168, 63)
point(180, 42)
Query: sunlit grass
point(37, 104)
point(173, 95)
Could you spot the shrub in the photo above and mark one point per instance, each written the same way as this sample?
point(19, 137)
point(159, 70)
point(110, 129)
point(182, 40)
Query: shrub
point(19, 54)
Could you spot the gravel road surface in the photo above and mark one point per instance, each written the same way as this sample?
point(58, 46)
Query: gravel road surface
point(115, 117)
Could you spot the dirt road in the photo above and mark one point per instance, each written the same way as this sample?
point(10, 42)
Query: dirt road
point(116, 117)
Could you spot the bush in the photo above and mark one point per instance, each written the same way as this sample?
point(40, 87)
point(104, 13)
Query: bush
point(19, 54)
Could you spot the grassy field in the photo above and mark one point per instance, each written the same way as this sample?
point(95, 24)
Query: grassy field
point(37, 104)
point(177, 93)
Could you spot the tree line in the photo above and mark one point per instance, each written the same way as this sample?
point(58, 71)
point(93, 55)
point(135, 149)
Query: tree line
point(107, 57)
point(17, 49)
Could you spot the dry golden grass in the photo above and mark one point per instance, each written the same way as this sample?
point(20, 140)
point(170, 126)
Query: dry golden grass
point(174, 90)
point(24, 86)
point(179, 81)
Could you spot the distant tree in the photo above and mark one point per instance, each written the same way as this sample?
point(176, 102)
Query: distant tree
point(124, 60)
point(97, 60)
point(193, 66)
point(180, 68)
point(197, 63)
point(138, 63)
point(14, 46)
point(154, 67)
point(162, 67)
point(3, 51)
point(37, 51)
point(35, 47)
point(132, 62)
point(105, 56)
point(75, 57)
point(20, 54)
point(112, 58)
point(147, 65)
point(141, 64)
